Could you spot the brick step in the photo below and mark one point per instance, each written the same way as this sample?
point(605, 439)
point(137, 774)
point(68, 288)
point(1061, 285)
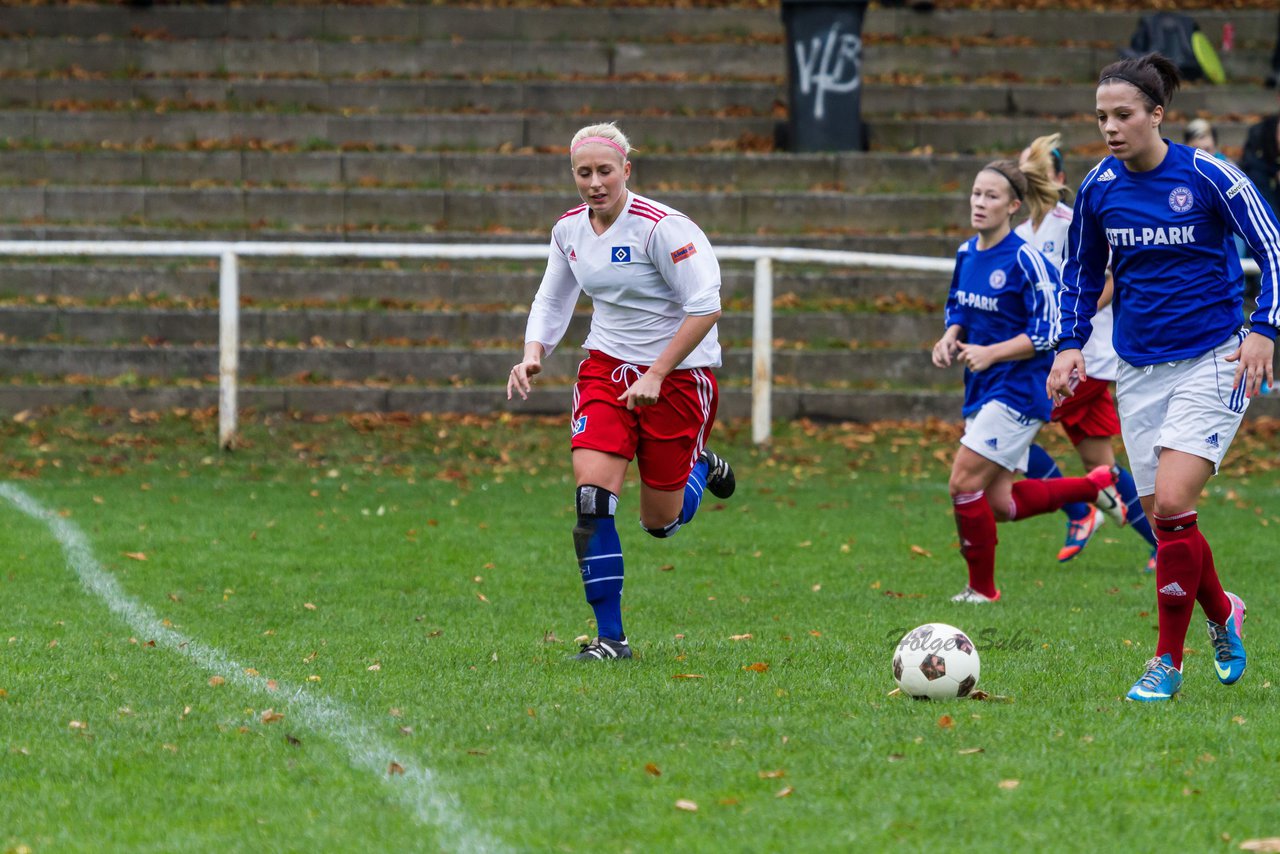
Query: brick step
point(862, 368)
point(434, 210)
point(247, 94)
point(457, 284)
point(850, 171)
point(748, 60)
point(335, 21)
point(854, 239)
point(350, 328)
point(508, 131)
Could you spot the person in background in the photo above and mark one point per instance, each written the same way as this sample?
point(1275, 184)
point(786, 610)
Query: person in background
point(1089, 416)
point(645, 391)
point(1261, 158)
point(1159, 214)
point(1001, 324)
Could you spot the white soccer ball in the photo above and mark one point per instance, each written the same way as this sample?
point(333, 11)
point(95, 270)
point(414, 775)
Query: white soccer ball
point(936, 662)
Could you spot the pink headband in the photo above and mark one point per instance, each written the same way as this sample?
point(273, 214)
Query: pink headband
point(586, 140)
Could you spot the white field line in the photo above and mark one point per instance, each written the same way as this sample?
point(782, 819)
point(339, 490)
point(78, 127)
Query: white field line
point(417, 788)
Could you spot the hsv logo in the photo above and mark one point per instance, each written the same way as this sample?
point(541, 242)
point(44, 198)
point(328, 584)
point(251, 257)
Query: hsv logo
point(683, 252)
point(1175, 235)
point(996, 280)
point(1180, 199)
point(579, 425)
point(620, 254)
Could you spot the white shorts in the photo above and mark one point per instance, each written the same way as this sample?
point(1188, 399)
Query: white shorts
point(1001, 434)
point(1186, 406)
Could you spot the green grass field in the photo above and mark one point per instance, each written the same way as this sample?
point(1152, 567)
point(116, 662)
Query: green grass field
point(352, 635)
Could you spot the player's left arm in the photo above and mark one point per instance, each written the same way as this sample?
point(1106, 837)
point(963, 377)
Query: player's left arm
point(682, 254)
point(1245, 211)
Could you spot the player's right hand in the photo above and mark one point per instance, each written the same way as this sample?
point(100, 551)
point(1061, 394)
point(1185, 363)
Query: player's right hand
point(519, 380)
point(945, 350)
point(1067, 373)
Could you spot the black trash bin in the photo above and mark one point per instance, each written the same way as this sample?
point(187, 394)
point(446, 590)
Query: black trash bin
point(824, 74)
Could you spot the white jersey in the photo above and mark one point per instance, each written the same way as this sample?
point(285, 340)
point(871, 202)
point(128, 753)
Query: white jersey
point(1100, 359)
point(649, 270)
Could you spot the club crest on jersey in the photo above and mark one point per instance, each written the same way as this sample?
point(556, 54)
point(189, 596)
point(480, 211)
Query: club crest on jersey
point(683, 252)
point(1048, 247)
point(579, 425)
point(620, 254)
point(1180, 199)
point(996, 280)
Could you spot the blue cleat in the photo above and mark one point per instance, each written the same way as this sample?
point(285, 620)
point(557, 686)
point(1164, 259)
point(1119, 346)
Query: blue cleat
point(1079, 532)
point(1228, 643)
point(1151, 563)
point(1161, 681)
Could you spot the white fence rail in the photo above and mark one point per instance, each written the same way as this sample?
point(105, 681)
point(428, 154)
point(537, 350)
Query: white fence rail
point(229, 253)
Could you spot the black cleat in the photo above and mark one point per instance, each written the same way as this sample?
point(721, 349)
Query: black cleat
point(601, 649)
point(720, 479)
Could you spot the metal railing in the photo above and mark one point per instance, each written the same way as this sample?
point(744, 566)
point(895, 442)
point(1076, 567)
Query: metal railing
point(229, 253)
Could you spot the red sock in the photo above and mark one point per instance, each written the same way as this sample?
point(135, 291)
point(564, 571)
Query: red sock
point(1212, 598)
point(1178, 570)
point(976, 525)
point(1032, 497)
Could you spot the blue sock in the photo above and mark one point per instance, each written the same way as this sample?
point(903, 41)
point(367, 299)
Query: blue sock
point(595, 538)
point(1043, 467)
point(1133, 507)
point(693, 489)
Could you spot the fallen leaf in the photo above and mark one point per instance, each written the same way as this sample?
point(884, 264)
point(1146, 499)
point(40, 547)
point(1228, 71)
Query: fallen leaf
point(308, 606)
point(653, 769)
point(758, 667)
point(896, 757)
point(483, 598)
point(1238, 720)
point(77, 725)
point(771, 775)
point(739, 637)
point(688, 676)
point(270, 716)
point(135, 555)
point(1269, 843)
point(687, 806)
point(1010, 784)
point(917, 550)
point(946, 722)
point(292, 740)
point(374, 667)
point(667, 567)
point(395, 768)
point(969, 751)
point(784, 792)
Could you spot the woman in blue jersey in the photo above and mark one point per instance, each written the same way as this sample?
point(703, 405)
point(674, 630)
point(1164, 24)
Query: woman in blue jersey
point(1165, 215)
point(1001, 324)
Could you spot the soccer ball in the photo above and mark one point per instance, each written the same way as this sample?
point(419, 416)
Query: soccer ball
point(936, 662)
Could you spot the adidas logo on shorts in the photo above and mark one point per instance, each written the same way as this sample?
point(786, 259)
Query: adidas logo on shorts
point(992, 443)
point(1212, 441)
point(1173, 588)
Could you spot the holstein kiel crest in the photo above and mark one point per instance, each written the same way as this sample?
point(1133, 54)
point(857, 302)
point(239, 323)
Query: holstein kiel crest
point(996, 280)
point(1180, 199)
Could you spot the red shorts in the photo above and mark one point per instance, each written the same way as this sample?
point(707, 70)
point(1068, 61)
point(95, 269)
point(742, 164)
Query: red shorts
point(665, 439)
point(1090, 413)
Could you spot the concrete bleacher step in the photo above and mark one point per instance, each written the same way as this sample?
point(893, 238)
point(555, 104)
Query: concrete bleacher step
point(432, 210)
point(436, 365)
point(454, 284)
point(350, 328)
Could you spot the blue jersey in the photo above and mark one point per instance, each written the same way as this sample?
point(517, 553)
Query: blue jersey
point(1179, 290)
point(1001, 293)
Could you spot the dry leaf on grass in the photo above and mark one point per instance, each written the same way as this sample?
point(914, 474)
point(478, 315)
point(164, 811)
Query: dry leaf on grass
point(1010, 784)
point(758, 667)
point(1269, 843)
point(687, 805)
point(653, 769)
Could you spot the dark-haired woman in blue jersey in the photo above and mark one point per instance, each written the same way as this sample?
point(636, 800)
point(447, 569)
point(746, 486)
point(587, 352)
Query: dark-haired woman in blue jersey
point(1166, 215)
point(1001, 324)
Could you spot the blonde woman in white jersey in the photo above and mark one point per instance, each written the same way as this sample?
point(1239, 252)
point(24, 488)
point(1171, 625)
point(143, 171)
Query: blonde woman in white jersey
point(646, 390)
point(1089, 416)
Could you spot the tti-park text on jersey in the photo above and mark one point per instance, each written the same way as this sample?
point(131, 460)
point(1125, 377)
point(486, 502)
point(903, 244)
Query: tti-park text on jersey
point(1174, 236)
